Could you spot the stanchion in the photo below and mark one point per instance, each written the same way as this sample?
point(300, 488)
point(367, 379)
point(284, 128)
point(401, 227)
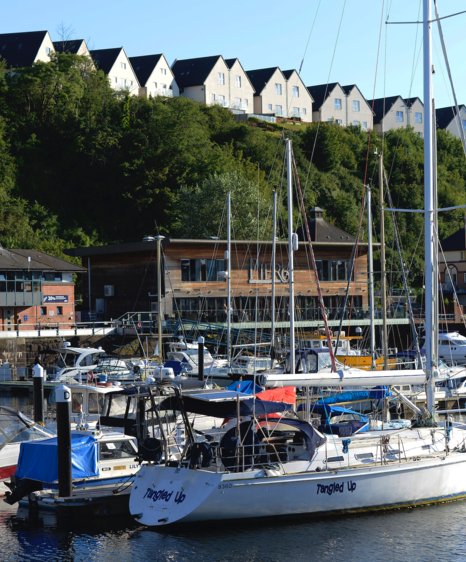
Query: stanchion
point(200, 354)
point(38, 393)
point(63, 398)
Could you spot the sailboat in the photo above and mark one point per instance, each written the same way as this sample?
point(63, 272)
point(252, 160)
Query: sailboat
point(270, 464)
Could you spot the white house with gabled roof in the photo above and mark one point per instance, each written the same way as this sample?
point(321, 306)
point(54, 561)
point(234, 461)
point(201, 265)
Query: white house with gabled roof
point(155, 76)
point(298, 99)
point(117, 66)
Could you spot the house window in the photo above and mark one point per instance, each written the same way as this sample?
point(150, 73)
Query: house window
point(418, 117)
point(221, 78)
point(296, 112)
point(59, 311)
point(155, 85)
point(123, 65)
point(464, 124)
point(400, 117)
point(43, 311)
point(278, 110)
point(338, 121)
point(337, 103)
point(201, 269)
point(270, 107)
point(464, 277)
point(238, 81)
point(304, 111)
point(237, 102)
point(356, 105)
point(295, 91)
point(356, 123)
point(163, 71)
point(364, 125)
point(278, 89)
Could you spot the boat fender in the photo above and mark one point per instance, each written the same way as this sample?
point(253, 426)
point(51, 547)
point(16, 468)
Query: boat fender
point(346, 444)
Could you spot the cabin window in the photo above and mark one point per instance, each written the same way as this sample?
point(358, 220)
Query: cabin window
point(77, 402)
point(335, 459)
point(95, 403)
point(364, 456)
point(116, 450)
point(356, 105)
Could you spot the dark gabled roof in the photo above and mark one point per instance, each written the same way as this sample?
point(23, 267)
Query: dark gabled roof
point(260, 77)
point(143, 66)
point(68, 46)
point(20, 49)
point(457, 240)
point(288, 73)
point(411, 101)
point(105, 58)
point(347, 89)
point(322, 231)
point(381, 106)
point(193, 72)
point(445, 115)
point(321, 92)
point(18, 260)
point(230, 62)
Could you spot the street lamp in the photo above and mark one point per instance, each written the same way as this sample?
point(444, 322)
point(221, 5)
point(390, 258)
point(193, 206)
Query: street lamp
point(159, 239)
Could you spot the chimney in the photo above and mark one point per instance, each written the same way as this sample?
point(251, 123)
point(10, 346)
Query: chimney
point(315, 214)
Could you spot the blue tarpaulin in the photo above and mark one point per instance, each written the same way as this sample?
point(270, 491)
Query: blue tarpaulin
point(38, 460)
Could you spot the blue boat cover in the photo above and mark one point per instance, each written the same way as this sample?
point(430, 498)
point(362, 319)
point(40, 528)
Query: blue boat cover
point(38, 460)
point(246, 387)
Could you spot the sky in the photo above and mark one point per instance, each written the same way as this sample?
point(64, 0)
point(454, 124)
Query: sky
point(345, 41)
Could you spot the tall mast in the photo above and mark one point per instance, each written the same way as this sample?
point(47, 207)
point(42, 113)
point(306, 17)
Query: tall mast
point(292, 242)
point(371, 275)
point(383, 271)
point(431, 304)
point(274, 254)
point(228, 258)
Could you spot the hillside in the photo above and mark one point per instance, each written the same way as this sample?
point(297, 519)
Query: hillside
point(81, 164)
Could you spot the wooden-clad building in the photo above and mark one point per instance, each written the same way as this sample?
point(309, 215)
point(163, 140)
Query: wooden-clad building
point(123, 277)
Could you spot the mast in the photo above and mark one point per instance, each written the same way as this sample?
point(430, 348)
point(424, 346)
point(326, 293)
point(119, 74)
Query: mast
point(228, 258)
point(292, 246)
point(274, 253)
point(383, 272)
point(370, 274)
point(431, 297)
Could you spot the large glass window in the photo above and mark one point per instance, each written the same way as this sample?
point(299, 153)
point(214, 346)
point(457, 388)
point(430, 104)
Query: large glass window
point(333, 270)
point(201, 269)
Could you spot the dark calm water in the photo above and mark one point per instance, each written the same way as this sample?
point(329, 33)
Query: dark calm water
point(425, 534)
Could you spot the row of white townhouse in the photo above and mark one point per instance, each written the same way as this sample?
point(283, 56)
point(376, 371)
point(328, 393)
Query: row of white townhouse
point(268, 92)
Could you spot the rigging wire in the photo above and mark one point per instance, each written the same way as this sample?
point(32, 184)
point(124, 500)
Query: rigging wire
point(447, 63)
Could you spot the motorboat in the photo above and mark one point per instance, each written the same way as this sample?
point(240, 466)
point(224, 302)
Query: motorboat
point(16, 428)
point(102, 462)
point(74, 364)
point(452, 348)
point(183, 358)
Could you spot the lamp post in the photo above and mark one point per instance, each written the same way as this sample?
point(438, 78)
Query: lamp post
point(159, 239)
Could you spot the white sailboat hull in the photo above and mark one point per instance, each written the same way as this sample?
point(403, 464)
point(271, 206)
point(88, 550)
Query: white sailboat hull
point(164, 495)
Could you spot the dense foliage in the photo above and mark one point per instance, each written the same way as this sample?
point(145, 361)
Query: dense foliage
point(81, 164)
